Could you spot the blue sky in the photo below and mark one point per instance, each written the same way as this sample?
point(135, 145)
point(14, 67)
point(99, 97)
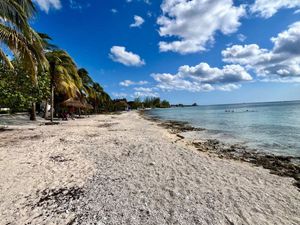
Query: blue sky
point(185, 51)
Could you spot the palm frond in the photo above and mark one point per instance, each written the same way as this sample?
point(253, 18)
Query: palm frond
point(6, 60)
point(16, 13)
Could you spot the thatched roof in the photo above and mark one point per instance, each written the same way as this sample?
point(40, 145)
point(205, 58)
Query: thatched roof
point(88, 106)
point(73, 103)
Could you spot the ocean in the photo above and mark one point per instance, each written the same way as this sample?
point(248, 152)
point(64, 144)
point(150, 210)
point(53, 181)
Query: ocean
point(273, 127)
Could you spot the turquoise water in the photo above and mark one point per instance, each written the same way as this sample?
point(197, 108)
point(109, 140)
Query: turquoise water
point(272, 127)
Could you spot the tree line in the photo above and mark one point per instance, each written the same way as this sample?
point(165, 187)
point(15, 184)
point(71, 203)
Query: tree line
point(138, 103)
point(39, 71)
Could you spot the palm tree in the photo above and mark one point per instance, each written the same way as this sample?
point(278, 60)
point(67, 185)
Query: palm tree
point(64, 77)
point(21, 39)
point(100, 97)
point(92, 91)
point(87, 83)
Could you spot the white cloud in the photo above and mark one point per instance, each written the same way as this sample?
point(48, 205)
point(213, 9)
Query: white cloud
point(146, 1)
point(144, 92)
point(79, 4)
point(202, 77)
point(241, 37)
point(282, 63)
point(114, 11)
point(228, 87)
point(245, 54)
point(119, 95)
point(288, 41)
point(127, 83)
point(138, 21)
point(195, 22)
point(143, 89)
point(267, 8)
point(119, 54)
point(46, 5)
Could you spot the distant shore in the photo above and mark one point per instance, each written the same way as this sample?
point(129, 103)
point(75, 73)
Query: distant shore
point(123, 169)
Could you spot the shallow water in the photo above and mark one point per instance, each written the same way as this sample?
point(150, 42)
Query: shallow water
point(272, 127)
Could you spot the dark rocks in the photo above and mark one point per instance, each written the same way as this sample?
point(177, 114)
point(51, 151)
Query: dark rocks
point(175, 127)
point(178, 127)
point(287, 166)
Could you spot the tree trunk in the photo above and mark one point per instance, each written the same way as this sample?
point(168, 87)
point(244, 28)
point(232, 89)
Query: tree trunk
point(46, 110)
point(95, 108)
point(33, 112)
point(52, 102)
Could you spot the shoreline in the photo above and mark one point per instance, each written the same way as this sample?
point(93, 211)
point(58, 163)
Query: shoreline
point(123, 169)
point(286, 166)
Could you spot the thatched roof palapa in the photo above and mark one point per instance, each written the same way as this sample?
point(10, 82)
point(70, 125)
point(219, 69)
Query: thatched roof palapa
point(73, 103)
point(88, 106)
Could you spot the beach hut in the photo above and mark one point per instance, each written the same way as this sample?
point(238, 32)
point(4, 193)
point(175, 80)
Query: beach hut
point(88, 106)
point(73, 103)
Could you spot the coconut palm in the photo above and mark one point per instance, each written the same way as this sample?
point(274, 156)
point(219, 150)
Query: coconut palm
point(64, 77)
point(21, 39)
point(100, 97)
point(92, 91)
point(87, 83)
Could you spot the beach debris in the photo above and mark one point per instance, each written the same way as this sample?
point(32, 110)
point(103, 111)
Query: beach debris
point(52, 123)
point(180, 136)
point(59, 158)
point(3, 128)
point(58, 201)
point(106, 125)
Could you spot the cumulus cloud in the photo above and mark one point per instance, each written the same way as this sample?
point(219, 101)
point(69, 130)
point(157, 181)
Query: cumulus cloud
point(195, 22)
point(144, 92)
point(119, 54)
point(267, 8)
point(203, 77)
point(138, 21)
point(127, 83)
point(46, 5)
point(281, 63)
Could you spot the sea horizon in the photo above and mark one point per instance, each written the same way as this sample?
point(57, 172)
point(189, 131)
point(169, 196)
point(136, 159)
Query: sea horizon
point(238, 103)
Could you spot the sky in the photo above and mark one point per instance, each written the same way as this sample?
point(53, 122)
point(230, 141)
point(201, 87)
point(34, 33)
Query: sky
point(185, 51)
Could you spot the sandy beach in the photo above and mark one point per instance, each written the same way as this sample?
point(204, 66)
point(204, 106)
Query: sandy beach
point(123, 169)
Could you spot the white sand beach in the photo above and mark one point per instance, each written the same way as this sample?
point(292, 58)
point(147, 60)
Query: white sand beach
point(123, 169)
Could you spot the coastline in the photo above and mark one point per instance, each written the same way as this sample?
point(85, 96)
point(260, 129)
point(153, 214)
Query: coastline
point(288, 166)
point(123, 169)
